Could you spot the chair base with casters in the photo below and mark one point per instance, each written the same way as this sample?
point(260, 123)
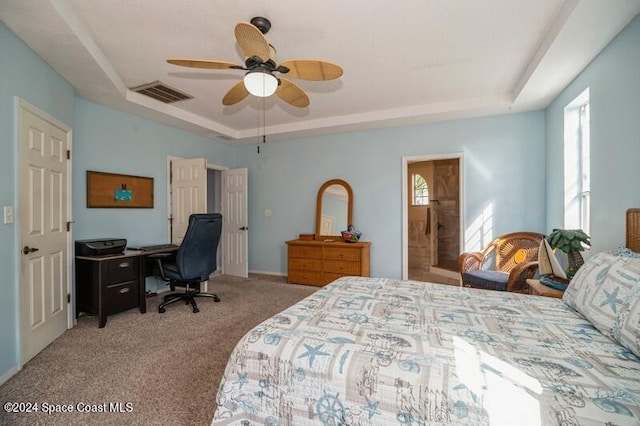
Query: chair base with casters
point(194, 262)
point(188, 296)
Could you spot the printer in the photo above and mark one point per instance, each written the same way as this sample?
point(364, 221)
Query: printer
point(100, 246)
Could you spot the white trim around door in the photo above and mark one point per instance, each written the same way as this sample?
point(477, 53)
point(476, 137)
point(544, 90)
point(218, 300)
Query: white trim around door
point(406, 160)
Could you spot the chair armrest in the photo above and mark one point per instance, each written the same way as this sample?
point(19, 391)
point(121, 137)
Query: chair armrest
point(469, 261)
point(159, 257)
point(518, 276)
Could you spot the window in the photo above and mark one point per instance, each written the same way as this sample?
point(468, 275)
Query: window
point(577, 171)
point(420, 190)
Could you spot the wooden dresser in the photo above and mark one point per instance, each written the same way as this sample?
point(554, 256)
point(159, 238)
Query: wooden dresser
point(320, 262)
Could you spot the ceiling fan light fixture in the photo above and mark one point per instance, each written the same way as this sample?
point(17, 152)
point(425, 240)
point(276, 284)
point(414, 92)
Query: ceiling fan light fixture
point(260, 83)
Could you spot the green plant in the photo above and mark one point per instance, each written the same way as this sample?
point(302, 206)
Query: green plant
point(571, 242)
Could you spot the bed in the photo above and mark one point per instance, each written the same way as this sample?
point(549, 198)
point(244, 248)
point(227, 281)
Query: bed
point(375, 351)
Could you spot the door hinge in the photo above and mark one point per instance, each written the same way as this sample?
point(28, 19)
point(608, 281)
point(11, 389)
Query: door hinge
point(68, 154)
point(68, 297)
point(69, 222)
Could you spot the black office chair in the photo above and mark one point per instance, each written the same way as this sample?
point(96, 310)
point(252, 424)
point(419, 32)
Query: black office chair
point(194, 261)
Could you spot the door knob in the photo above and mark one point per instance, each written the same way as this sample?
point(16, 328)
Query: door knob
point(27, 249)
point(244, 228)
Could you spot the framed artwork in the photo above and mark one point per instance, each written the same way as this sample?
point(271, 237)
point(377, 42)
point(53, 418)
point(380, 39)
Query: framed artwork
point(111, 190)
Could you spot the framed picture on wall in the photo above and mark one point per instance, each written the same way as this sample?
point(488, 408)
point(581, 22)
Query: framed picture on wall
point(111, 190)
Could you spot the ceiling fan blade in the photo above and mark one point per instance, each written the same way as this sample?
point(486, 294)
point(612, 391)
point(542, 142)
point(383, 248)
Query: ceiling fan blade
point(237, 93)
point(203, 63)
point(252, 41)
point(311, 69)
point(292, 94)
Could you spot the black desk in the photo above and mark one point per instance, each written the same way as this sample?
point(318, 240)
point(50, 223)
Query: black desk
point(112, 283)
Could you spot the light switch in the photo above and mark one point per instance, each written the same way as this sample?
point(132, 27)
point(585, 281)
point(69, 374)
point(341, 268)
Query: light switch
point(8, 214)
point(267, 213)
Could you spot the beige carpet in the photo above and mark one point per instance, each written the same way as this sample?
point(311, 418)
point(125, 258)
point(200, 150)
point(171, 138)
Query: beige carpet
point(166, 366)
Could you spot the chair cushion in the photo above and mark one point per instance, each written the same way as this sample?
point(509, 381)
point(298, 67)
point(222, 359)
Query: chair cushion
point(491, 280)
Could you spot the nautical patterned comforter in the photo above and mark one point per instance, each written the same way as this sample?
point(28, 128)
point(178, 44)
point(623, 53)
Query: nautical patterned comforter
point(365, 351)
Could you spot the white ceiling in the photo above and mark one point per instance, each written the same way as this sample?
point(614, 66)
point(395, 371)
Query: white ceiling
point(404, 62)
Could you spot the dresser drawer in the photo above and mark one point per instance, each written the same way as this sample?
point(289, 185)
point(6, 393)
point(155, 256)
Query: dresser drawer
point(305, 277)
point(305, 251)
point(339, 253)
point(120, 270)
point(299, 263)
point(347, 268)
point(122, 296)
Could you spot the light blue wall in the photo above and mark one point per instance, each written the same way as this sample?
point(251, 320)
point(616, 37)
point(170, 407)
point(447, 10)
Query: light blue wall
point(613, 79)
point(22, 74)
point(503, 168)
point(103, 139)
point(113, 141)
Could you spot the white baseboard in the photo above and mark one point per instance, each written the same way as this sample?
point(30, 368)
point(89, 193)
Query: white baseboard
point(275, 274)
point(9, 374)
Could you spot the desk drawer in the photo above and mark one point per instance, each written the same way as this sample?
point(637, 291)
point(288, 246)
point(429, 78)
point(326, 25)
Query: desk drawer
point(120, 297)
point(120, 270)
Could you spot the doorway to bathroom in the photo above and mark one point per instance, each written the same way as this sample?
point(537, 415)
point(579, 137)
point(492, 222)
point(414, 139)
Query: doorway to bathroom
point(432, 218)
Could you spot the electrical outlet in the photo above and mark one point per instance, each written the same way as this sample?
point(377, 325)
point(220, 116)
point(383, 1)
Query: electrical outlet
point(8, 214)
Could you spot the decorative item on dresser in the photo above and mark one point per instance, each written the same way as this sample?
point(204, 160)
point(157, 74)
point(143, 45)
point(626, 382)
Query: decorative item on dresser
point(325, 258)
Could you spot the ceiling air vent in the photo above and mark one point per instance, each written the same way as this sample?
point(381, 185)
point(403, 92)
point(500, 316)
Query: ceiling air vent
point(161, 92)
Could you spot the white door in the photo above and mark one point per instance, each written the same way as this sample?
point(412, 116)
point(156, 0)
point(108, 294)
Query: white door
point(44, 278)
point(188, 193)
point(234, 216)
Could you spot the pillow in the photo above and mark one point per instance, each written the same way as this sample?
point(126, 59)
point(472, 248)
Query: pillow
point(625, 252)
point(627, 327)
point(601, 286)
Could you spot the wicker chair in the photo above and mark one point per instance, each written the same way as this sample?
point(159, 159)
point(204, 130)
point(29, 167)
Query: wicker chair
point(504, 265)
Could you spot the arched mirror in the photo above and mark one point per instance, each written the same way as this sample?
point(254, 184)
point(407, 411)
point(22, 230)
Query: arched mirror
point(334, 209)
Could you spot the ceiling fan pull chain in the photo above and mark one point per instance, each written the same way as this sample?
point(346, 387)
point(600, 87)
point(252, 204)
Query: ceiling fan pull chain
point(264, 121)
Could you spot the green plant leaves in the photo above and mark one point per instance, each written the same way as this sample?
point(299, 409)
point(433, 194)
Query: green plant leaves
point(569, 240)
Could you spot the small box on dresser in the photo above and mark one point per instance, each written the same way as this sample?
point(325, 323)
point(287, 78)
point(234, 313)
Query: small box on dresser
point(314, 262)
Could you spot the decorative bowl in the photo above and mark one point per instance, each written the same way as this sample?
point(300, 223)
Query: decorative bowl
point(351, 236)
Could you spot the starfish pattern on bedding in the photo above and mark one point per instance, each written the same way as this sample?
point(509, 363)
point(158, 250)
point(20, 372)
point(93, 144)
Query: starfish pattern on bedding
point(612, 299)
point(312, 352)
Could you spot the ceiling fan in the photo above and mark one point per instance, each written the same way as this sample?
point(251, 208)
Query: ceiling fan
point(262, 77)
